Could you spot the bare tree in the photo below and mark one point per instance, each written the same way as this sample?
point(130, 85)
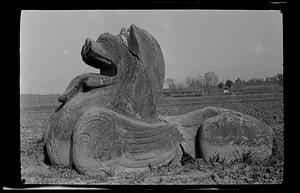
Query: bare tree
point(200, 81)
point(170, 82)
point(179, 85)
point(194, 81)
point(207, 78)
point(189, 81)
point(215, 80)
point(211, 79)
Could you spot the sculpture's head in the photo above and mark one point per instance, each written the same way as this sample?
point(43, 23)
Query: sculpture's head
point(135, 58)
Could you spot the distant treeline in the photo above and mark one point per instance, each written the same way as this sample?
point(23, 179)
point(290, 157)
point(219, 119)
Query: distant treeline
point(210, 79)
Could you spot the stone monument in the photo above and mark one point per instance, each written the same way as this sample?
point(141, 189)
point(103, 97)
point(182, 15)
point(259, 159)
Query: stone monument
point(108, 122)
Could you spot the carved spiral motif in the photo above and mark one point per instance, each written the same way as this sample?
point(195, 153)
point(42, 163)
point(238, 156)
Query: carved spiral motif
point(106, 145)
point(98, 143)
point(107, 150)
point(60, 123)
point(96, 122)
point(84, 139)
point(53, 148)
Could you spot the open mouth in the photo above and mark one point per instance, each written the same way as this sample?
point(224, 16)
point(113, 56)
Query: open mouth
point(92, 55)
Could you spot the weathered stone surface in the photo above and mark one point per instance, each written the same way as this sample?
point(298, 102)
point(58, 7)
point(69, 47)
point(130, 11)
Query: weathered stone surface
point(131, 76)
point(189, 124)
point(211, 130)
point(107, 141)
point(232, 134)
point(107, 122)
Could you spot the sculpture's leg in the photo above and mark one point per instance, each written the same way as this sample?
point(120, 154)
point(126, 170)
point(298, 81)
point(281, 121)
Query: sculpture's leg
point(104, 141)
point(213, 131)
point(188, 125)
point(57, 136)
point(231, 134)
point(57, 141)
point(74, 86)
point(100, 81)
point(87, 80)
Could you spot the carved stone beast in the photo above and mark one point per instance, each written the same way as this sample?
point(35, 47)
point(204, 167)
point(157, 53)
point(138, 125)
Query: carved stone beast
point(108, 121)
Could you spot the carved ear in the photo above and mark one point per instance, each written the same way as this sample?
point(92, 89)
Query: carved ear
point(133, 40)
point(144, 46)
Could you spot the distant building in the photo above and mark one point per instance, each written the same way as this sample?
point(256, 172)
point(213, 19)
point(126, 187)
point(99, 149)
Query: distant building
point(226, 90)
point(165, 85)
point(204, 91)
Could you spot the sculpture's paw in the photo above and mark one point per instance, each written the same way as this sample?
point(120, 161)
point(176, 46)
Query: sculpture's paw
point(104, 141)
point(232, 135)
point(62, 98)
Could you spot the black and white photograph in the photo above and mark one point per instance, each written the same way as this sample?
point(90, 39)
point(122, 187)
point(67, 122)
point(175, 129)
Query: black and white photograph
point(151, 97)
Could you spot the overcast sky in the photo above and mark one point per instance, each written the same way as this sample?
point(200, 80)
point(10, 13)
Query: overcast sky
point(244, 44)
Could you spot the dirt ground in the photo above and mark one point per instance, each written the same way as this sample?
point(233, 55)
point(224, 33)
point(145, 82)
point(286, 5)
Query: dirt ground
point(268, 108)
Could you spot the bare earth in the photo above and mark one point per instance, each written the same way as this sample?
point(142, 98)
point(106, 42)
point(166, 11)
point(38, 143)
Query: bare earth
point(267, 107)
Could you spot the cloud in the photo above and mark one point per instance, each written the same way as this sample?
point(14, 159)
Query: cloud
point(66, 52)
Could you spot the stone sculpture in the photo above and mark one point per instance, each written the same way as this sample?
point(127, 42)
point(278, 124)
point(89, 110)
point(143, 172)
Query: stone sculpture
point(108, 121)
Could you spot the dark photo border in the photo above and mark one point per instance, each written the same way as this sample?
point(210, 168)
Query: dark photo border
point(11, 155)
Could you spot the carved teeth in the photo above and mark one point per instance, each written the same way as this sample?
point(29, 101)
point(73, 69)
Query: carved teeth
point(105, 61)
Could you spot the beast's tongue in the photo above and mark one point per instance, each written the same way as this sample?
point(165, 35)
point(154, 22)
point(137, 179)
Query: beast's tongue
point(93, 54)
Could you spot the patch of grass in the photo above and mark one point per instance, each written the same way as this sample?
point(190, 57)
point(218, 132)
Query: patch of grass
point(246, 156)
point(150, 166)
point(136, 177)
point(216, 159)
point(186, 159)
point(266, 107)
point(160, 180)
point(110, 173)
